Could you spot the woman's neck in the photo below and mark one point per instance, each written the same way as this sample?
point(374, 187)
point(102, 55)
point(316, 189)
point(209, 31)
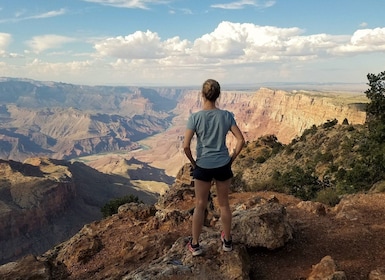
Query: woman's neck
point(208, 105)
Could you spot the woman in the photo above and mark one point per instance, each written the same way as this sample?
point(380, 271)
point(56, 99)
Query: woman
point(213, 162)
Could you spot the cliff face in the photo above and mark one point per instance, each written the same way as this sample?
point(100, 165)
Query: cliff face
point(29, 201)
point(45, 201)
point(285, 114)
point(64, 121)
point(264, 112)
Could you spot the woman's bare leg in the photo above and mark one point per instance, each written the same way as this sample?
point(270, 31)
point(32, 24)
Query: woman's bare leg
point(202, 190)
point(223, 188)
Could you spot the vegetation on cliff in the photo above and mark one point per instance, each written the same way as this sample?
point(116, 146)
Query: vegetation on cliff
point(112, 206)
point(326, 161)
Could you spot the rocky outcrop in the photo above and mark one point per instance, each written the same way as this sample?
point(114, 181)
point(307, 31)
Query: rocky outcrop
point(149, 241)
point(161, 243)
point(29, 201)
point(45, 201)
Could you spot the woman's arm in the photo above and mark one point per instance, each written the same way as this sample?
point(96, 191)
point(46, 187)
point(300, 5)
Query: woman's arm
point(187, 146)
point(240, 142)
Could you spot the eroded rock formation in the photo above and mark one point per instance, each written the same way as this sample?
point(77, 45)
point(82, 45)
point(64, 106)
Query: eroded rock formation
point(45, 201)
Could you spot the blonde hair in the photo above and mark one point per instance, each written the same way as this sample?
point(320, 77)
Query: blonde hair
point(211, 90)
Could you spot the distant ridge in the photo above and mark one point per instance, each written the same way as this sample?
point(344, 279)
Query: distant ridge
point(356, 87)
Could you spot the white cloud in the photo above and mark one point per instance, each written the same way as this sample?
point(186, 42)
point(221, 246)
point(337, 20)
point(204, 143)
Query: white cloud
point(369, 37)
point(237, 5)
point(42, 43)
point(363, 41)
point(363, 24)
point(5, 39)
point(140, 45)
point(236, 52)
point(183, 11)
point(131, 4)
point(250, 42)
point(238, 43)
point(19, 16)
point(137, 45)
point(48, 14)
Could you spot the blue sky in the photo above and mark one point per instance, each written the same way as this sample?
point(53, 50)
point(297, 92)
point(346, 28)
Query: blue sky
point(184, 42)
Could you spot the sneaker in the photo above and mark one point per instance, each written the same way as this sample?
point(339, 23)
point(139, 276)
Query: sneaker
point(195, 249)
point(227, 245)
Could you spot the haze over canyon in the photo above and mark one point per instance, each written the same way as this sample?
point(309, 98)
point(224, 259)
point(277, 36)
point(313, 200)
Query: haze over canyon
point(65, 121)
point(67, 149)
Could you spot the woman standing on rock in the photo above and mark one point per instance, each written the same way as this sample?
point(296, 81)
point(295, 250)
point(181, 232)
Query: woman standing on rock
point(213, 162)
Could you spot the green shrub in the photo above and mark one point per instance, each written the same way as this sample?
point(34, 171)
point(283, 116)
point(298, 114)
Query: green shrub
point(308, 131)
point(298, 182)
point(112, 206)
point(351, 128)
point(237, 182)
point(330, 123)
point(298, 155)
point(260, 159)
point(328, 196)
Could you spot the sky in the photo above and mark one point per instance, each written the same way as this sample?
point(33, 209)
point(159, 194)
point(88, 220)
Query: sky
point(184, 42)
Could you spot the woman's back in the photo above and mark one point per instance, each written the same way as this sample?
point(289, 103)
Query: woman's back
point(211, 128)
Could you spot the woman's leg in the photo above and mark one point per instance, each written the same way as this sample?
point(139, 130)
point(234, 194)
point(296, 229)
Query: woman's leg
point(202, 190)
point(223, 188)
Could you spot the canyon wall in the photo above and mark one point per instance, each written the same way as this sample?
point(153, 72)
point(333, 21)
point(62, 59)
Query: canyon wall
point(44, 201)
point(285, 114)
point(63, 121)
point(264, 112)
point(29, 202)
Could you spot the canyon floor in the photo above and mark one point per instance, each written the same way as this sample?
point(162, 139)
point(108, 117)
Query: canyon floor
point(163, 151)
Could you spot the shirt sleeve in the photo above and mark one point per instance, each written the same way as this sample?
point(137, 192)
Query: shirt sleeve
point(190, 123)
point(232, 119)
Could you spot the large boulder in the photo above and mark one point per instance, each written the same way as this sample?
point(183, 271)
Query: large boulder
point(265, 225)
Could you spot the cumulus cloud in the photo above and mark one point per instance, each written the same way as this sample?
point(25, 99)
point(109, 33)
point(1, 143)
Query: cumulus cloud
point(245, 41)
point(369, 37)
point(363, 40)
point(5, 39)
point(229, 50)
point(237, 5)
point(140, 45)
point(238, 43)
point(131, 4)
point(42, 43)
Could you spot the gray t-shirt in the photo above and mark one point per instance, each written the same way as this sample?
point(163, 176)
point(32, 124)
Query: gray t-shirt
point(211, 128)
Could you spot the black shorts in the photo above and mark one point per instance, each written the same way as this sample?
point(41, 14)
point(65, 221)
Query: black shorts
point(208, 174)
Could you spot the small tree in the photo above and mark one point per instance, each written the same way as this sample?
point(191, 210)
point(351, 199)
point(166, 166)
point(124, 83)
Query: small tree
point(375, 109)
point(112, 206)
